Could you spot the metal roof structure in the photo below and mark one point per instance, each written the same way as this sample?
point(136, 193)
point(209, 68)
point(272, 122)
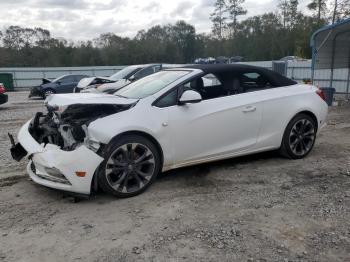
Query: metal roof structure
point(229, 71)
point(331, 49)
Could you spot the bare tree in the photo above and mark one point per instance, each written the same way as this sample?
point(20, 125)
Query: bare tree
point(218, 18)
point(320, 9)
point(289, 12)
point(341, 10)
point(236, 9)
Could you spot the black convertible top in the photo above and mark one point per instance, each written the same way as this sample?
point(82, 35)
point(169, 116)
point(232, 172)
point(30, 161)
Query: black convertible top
point(231, 70)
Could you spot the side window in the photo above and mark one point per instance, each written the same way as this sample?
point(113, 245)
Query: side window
point(77, 78)
point(67, 79)
point(253, 81)
point(168, 100)
point(210, 80)
point(209, 87)
point(156, 68)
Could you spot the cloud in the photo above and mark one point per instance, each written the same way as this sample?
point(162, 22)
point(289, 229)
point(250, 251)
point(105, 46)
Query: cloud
point(58, 15)
point(151, 7)
point(66, 4)
point(87, 19)
point(182, 9)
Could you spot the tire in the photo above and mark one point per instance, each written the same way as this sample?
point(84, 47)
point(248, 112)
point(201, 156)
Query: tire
point(299, 137)
point(131, 165)
point(48, 92)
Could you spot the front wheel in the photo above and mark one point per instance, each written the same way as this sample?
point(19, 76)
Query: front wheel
point(131, 165)
point(48, 92)
point(299, 137)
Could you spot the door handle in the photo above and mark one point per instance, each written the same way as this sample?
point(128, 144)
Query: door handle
point(249, 109)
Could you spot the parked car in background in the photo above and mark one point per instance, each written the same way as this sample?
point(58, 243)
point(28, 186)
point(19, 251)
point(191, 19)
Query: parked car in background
point(91, 82)
point(236, 59)
point(118, 80)
point(3, 95)
point(208, 60)
point(61, 85)
point(222, 60)
point(168, 120)
point(292, 58)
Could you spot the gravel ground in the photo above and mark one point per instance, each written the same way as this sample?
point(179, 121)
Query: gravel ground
point(13, 115)
point(256, 208)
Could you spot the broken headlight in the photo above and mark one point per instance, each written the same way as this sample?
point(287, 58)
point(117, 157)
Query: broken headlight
point(93, 145)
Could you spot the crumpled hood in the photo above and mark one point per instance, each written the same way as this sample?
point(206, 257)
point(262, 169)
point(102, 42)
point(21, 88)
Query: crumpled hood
point(85, 82)
point(113, 86)
point(87, 98)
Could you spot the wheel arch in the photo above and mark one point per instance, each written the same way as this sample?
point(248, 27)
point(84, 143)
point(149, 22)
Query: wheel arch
point(283, 148)
point(146, 135)
point(310, 114)
point(94, 182)
point(306, 112)
point(43, 91)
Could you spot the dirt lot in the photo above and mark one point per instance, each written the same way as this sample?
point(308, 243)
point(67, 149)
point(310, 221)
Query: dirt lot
point(256, 208)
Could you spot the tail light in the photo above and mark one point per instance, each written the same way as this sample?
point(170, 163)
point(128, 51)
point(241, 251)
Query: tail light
point(2, 89)
point(321, 94)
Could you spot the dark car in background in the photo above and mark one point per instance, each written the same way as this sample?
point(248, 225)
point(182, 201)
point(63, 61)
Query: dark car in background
point(118, 80)
point(3, 95)
point(60, 85)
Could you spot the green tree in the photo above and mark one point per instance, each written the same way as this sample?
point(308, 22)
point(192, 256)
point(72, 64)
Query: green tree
point(184, 37)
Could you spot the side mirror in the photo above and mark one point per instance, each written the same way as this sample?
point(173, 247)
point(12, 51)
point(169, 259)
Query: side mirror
point(132, 78)
point(58, 82)
point(190, 97)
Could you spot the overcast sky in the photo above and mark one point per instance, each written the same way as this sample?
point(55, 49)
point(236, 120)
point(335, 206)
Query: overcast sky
point(86, 19)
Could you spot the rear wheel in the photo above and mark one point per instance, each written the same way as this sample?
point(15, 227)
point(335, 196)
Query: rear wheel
point(131, 165)
point(299, 137)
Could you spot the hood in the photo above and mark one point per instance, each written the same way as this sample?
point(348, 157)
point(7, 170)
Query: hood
point(113, 86)
point(85, 81)
point(91, 90)
point(46, 81)
point(48, 85)
point(86, 98)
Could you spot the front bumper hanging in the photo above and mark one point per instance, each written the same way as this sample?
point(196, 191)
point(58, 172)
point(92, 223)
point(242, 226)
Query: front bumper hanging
point(50, 166)
point(17, 150)
point(35, 91)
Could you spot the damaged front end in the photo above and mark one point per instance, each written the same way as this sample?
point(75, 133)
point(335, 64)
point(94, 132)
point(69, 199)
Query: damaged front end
point(68, 129)
point(62, 154)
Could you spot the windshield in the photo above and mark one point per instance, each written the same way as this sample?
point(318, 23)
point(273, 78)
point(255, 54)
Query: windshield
point(125, 72)
point(58, 78)
point(150, 84)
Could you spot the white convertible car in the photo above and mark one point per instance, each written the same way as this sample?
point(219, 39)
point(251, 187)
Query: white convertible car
point(164, 121)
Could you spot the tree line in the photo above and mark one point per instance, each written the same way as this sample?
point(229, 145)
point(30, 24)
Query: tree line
point(268, 36)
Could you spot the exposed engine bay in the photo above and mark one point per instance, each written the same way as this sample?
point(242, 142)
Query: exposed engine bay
point(68, 129)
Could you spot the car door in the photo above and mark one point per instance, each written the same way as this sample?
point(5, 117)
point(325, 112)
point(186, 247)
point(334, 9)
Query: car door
point(66, 84)
point(214, 128)
point(278, 103)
